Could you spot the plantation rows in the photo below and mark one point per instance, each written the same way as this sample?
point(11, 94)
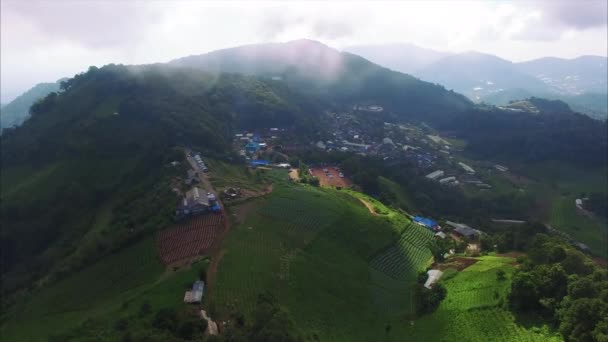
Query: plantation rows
point(390, 296)
point(305, 216)
point(189, 239)
point(254, 261)
point(417, 236)
point(481, 325)
point(404, 258)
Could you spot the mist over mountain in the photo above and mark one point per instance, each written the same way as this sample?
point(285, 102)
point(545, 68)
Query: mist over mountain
point(334, 76)
point(476, 75)
point(402, 57)
point(581, 81)
point(585, 74)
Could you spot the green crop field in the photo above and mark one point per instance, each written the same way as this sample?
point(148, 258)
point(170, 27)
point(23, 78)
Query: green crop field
point(403, 259)
point(312, 248)
point(97, 297)
point(474, 309)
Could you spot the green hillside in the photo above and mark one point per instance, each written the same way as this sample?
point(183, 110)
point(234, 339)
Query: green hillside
point(336, 77)
point(474, 309)
point(128, 286)
point(98, 150)
point(315, 250)
point(15, 112)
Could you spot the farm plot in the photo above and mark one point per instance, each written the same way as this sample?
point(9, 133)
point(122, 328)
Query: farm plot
point(302, 213)
point(189, 239)
point(473, 309)
point(310, 247)
point(106, 285)
point(403, 259)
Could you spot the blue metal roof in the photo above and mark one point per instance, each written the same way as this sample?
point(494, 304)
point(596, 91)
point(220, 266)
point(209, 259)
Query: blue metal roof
point(425, 221)
point(259, 162)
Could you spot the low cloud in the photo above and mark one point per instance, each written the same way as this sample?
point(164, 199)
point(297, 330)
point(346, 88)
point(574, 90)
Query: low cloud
point(578, 15)
point(92, 24)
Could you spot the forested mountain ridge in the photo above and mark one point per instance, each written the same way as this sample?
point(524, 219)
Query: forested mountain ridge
point(581, 81)
point(555, 133)
point(101, 142)
point(17, 111)
point(316, 69)
point(106, 129)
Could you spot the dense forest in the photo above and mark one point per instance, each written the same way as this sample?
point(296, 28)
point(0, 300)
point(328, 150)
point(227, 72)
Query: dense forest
point(15, 112)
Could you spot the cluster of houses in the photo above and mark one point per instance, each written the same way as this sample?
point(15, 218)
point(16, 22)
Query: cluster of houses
point(252, 142)
point(197, 202)
point(199, 162)
point(438, 175)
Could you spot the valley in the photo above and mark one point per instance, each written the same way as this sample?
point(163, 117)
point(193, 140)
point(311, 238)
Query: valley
point(296, 203)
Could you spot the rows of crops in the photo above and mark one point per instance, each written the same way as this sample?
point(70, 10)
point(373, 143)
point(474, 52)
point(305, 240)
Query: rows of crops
point(105, 285)
point(254, 258)
point(189, 239)
point(404, 258)
point(325, 282)
point(492, 324)
point(303, 212)
point(473, 309)
point(389, 295)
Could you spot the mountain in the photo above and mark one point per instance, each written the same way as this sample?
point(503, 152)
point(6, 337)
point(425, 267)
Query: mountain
point(17, 111)
point(334, 77)
point(594, 105)
point(585, 74)
point(90, 183)
point(477, 75)
point(100, 145)
point(402, 57)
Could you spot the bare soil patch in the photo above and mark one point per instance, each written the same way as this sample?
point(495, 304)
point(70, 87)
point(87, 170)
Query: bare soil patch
point(326, 180)
point(511, 254)
point(456, 263)
point(186, 241)
point(294, 174)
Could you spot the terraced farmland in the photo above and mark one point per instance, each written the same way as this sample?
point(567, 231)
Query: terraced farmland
point(403, 259)
point(311, 247)
point(189, 239)
point(474, 309)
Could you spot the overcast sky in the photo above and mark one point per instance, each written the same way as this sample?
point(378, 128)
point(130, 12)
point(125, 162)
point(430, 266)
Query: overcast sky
point(42, 41)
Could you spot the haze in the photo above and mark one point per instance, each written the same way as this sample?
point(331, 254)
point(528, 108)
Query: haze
point(43, 41)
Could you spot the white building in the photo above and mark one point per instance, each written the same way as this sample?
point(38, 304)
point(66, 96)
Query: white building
point(447, 180)
point(466, 167)
point(435, 174)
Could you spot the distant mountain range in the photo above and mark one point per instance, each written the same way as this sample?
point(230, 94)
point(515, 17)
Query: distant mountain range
point(581, 82)
point(402, 57)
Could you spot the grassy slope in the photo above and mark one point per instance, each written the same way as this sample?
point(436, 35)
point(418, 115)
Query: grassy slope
point(225, 175)
point(472, 310)
point(556, 186)
point(311, 247)
point(561, 185)
point(591, 231)
point(111, 289)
